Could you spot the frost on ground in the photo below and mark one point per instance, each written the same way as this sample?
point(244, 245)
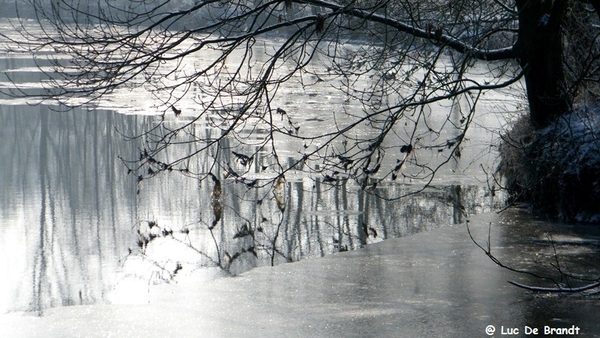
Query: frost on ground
point(557, 168)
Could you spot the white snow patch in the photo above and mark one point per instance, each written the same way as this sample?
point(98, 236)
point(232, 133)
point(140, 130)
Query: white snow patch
point(577, 139)
point(163, 260)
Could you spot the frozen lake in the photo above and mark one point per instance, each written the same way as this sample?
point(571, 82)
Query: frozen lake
point(72, 258)
point(436, 284)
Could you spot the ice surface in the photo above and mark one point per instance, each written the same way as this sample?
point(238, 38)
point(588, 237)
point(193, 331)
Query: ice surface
point(436, 284)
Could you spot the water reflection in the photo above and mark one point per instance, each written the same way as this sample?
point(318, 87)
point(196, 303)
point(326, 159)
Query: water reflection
point(70, 211)
point(65, 210)
point(74, 224)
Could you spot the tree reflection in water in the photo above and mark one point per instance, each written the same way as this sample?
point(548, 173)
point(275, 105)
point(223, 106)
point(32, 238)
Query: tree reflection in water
point(72, 218)
point(304, 217)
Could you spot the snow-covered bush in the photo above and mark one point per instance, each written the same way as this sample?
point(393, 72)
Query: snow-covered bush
point(557, 168)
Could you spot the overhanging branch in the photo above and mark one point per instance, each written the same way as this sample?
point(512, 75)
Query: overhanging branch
point(459, 46)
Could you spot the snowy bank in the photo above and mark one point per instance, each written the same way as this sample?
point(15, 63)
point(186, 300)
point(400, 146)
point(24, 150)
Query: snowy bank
point(557, 168)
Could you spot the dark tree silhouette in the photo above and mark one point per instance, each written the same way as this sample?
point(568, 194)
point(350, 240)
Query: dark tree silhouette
point(239, 61)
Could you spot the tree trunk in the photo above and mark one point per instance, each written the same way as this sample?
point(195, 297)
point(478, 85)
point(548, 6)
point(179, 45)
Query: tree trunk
point(540, 52)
